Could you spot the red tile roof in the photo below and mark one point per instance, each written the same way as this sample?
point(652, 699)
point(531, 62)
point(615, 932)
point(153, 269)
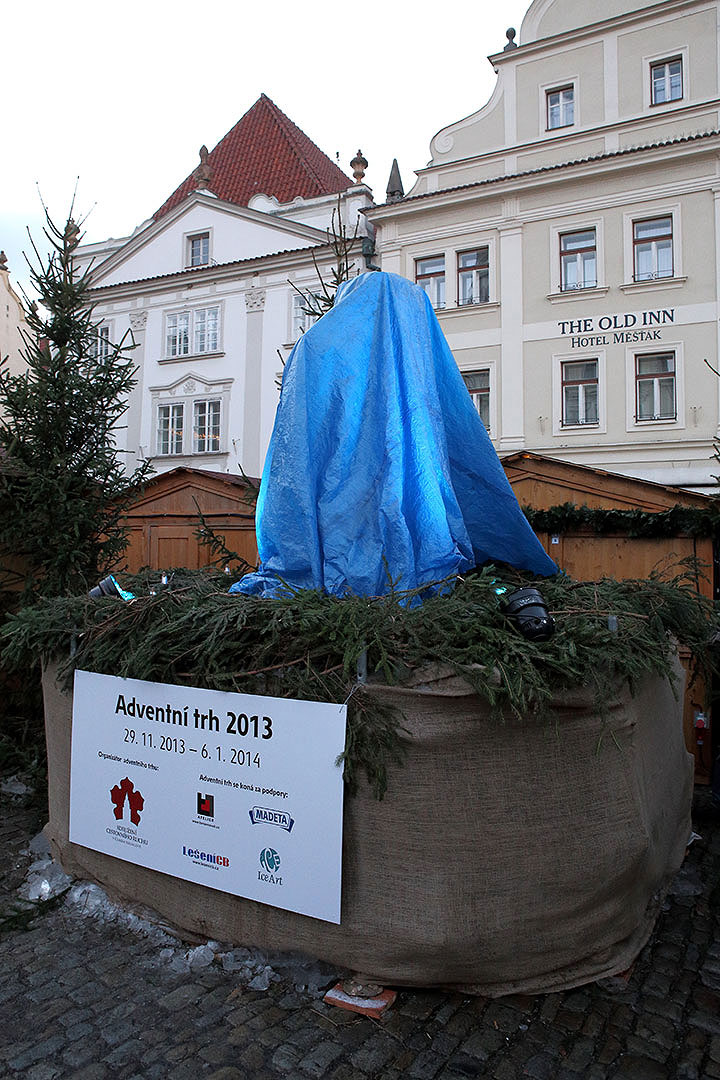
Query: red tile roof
point(265, 153)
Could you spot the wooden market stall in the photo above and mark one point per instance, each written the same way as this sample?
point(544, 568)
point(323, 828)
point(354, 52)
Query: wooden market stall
point(164, 520)
point(543, 483)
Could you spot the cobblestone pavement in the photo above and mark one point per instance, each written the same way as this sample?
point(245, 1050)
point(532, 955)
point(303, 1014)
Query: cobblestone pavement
point(88, 1000)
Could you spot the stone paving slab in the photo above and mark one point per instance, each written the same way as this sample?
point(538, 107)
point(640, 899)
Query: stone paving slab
point(88, 1000)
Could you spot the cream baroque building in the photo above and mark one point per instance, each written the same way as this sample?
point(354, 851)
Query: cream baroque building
point(568, 234)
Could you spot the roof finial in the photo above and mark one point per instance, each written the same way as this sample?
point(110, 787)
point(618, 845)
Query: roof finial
point(510, 35)
point(3, 261)
point(203, 173)
point(395, 190)
point(358, 166)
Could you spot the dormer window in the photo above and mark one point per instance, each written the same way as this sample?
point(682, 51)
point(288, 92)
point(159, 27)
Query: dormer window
point(198, 249)
point(560, 104)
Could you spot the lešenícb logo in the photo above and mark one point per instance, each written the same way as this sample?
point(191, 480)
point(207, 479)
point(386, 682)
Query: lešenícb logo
point(270, 860)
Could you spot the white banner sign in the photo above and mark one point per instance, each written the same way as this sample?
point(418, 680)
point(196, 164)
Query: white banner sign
point(234, 791)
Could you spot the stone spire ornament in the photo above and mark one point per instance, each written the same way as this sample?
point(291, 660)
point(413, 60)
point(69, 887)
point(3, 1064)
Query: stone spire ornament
point(3, 261)
point(395, 190)
point(358, 166)
point(510, 35)
point(203, 173)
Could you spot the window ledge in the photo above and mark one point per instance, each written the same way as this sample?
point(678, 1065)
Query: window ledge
point(568, 295)
point(654, 283)
point(662, 425)
point(190, 356)
point(465, 309)
point(184, 456)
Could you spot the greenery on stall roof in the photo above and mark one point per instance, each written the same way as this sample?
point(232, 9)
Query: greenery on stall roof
point(307, 645)
point(678, 520)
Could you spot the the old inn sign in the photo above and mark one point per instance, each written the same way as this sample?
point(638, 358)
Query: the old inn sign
point(633, 326)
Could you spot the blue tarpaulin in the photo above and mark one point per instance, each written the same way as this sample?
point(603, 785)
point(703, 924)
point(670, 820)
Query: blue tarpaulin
point(379, 468)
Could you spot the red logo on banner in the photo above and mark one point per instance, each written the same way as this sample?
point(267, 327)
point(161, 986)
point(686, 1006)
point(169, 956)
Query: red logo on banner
point(126, 790)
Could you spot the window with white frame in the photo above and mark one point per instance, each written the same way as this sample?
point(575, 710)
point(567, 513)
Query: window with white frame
point(102, 345)
point(170, 423)
point(430, 276)
point(473, 276)
point(579, 389)
point(206, 329)
point(301, 317)
point(560, 107)
point(206, 426)
point(666, 81)
point(198, 249)
point(655, 387)
point(478, 385)
point(192, 332)
point(578, 260)
point(653, 248)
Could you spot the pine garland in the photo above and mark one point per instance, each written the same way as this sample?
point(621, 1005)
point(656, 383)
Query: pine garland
point(678, 520)
point(307, 645)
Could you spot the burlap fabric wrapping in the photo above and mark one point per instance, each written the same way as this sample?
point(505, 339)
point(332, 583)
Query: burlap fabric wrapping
point(505, 857)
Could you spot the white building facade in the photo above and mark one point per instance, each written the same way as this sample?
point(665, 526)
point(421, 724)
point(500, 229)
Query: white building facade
point(12, 323)
point(207, 290)
point(568, 234)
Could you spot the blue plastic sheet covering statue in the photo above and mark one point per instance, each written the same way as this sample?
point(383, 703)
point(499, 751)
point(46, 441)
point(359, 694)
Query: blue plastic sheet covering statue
point(380, 474)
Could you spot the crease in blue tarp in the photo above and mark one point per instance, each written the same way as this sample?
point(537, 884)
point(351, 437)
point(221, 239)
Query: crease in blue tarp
point(379, 469)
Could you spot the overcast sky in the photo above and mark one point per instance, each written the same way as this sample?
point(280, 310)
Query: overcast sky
point(122, 96)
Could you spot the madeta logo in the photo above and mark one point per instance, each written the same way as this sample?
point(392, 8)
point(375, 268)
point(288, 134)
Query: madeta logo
point(126, 790)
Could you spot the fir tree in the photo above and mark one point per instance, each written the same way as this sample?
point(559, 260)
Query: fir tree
point(63, 489)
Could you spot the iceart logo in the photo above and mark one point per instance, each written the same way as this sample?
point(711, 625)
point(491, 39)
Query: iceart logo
point(270, 860)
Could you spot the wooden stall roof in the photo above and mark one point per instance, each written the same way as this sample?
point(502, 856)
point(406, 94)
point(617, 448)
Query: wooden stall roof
point(542, 482)
point(172, 495)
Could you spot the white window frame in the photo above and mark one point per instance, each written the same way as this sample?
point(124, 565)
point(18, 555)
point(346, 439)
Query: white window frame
point(460, 270)
point(645, 213)
point(436, 303)
point(185, 393)
point(572, 82)
point(490, 367)
point(580, 356)
point(199, 403)
point(631, 351)
point(191, 315)
point(103, 342)
point(581, 384)
point(188, 237)
point(574, 225)
point(300, 321)
point(175, 411)
point(682, 53)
